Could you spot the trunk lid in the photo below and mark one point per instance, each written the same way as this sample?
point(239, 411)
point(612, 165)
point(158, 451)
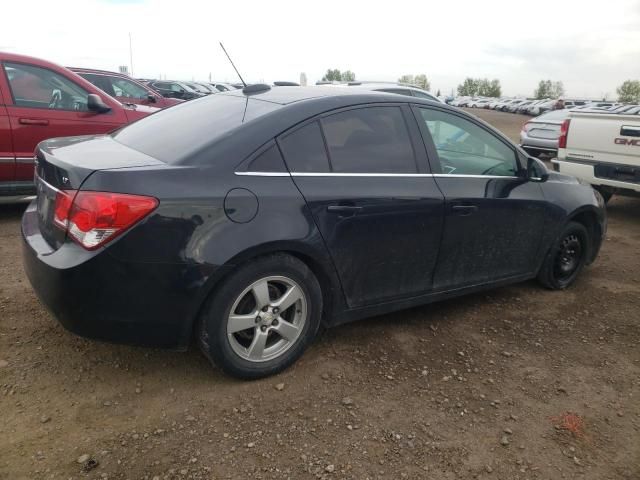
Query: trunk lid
point(62, 166)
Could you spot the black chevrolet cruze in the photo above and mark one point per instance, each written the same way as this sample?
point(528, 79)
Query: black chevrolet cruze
point(246, 220)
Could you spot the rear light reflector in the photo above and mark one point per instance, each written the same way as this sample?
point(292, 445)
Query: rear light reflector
point(564, 131)
point(92, 219)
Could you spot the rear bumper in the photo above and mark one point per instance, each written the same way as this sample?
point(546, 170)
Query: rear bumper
point(587, 171)
point(98, 296)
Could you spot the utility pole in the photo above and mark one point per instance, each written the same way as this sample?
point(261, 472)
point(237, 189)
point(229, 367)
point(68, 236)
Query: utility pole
point(130, 54)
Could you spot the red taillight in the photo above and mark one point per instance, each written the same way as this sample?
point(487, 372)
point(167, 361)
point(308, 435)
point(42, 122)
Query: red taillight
point(64, 200)
point(95, 218)
point(564, 131)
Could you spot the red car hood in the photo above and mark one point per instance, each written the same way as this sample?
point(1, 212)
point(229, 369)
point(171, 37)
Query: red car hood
point(136, 112)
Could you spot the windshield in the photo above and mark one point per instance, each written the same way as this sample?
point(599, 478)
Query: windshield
point(188, 127)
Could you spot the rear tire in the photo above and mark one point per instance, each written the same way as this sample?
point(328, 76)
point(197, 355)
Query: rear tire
point(566, 258)
point(262, 317)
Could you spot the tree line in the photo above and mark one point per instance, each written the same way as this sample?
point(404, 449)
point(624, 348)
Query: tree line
point(628, 92)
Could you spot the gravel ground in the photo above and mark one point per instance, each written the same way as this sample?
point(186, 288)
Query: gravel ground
point(517, 383)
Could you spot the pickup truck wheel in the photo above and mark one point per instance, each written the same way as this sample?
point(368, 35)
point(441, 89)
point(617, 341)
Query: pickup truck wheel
point(566, 258)
point(262, 318)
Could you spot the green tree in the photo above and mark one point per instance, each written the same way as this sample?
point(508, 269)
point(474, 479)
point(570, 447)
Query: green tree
point(408, 79)
point(468, 88)
point(334, 75)
point(629, 91)
point(420, 81)
point(549, 89)
point(348, 76)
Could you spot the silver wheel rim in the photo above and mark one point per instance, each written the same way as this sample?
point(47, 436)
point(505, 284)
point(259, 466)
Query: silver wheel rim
point(267, 319)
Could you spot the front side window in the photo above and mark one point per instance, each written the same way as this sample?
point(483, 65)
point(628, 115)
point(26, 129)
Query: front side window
point(369, 140)
point(126, 88)
point(464, 148)
point(37, 87)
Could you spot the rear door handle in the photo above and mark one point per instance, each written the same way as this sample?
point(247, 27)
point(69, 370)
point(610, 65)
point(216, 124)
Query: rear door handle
point(33, 121)
point(343, 208)
point(464, 210)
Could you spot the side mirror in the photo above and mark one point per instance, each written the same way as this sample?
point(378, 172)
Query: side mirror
point(152, 98)
point(536, 170)
point(95, 104)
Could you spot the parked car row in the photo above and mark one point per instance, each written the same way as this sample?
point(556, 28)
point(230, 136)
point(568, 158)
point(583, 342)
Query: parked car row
point(187, 90)
point(41, 100)
point(526, 106)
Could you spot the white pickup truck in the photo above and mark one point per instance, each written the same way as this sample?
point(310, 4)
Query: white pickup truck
point(602, 149)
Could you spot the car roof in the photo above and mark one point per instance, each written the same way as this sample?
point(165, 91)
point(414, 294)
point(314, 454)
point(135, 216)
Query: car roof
point(97, 71)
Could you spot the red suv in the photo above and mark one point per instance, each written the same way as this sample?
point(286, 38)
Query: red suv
point(124, 88)
point(40, 100)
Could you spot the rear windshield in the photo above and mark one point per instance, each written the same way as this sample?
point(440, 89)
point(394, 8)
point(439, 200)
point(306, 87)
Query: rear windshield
point(174, 134)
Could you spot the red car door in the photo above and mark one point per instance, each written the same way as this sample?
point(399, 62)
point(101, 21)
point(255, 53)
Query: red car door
point(7, 160)
point(45, 103)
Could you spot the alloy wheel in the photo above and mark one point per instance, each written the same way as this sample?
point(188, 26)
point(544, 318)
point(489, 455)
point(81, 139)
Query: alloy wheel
point(267, 318)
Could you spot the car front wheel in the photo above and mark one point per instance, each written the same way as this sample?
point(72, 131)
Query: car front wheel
point(262, 318)
point(566, 258)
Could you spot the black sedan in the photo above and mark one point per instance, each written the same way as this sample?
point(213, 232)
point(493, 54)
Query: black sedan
point(246, 220)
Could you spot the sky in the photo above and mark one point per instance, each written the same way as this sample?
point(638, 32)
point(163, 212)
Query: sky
point(592, 47)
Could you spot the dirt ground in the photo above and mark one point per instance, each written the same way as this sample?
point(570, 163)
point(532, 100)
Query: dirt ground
point(517, 383)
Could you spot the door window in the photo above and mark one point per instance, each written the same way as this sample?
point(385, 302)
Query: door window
point(126, 88)
point(464, 148)
point(37, 87)
point(369, 140)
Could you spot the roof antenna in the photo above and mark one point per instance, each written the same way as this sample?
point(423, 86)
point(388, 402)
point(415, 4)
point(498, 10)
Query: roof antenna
point(234, 67)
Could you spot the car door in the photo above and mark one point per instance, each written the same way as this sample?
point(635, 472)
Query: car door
point(494, 217)
point(46, 104)
point(372, 197)
point(7, 159)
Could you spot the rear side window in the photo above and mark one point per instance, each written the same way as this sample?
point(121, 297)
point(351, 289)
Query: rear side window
point(175, 133)
point(304, 150)
point(369, 140)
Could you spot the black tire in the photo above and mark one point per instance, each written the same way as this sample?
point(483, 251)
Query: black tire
point(561, 268)
point(216, 343)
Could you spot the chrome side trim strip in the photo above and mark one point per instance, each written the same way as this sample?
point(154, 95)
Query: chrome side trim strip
point(390, 175)
point(263, 174)
point(7, 159)
point(25, 159)
point(57, 190)
point(453, 175)
point(333, 174)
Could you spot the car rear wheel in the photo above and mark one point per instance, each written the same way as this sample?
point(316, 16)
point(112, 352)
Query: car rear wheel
point(262, 318)
point(566, 258)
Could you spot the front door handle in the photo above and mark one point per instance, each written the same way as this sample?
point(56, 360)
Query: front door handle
point(33, 121)
point(464, 210)
point(343, 208)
